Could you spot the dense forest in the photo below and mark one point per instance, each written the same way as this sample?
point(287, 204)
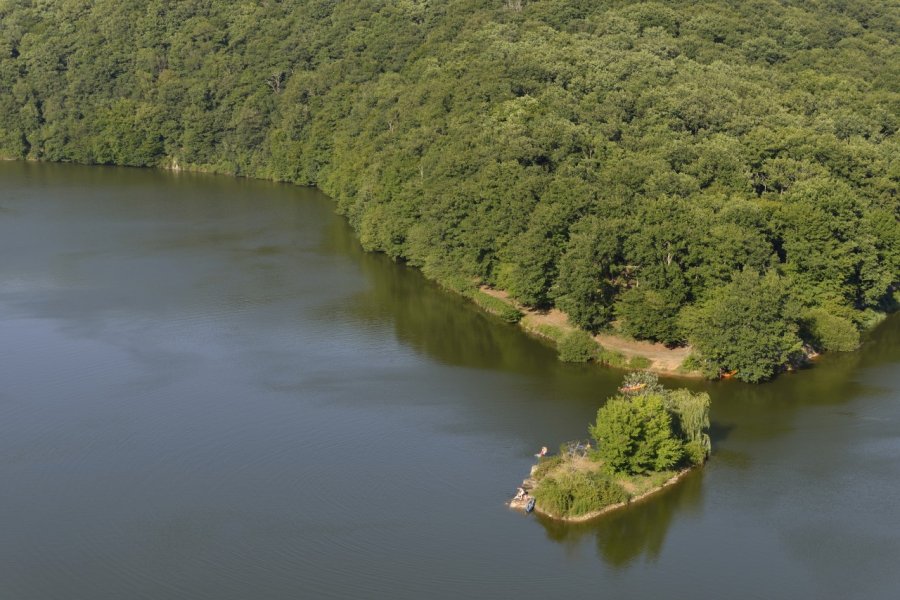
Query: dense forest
point(722, 173)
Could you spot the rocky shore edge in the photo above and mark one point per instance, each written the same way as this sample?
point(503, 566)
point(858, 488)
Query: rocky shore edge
point(530, 484)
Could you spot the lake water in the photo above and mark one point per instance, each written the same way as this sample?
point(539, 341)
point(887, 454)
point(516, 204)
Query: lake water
point(207, 390)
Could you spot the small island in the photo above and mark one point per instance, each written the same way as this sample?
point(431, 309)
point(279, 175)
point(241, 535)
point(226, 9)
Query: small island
point(645, 438)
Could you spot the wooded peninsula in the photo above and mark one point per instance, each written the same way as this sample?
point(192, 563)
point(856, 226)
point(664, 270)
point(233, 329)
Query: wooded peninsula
point(719, 174)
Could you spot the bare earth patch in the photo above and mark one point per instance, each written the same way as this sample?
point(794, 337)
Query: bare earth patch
point(662, 359)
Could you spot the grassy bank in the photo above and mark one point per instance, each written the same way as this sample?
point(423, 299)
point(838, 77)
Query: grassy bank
point(576, 345)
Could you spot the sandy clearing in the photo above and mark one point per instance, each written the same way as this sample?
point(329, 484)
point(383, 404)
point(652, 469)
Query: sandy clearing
point(663, 359)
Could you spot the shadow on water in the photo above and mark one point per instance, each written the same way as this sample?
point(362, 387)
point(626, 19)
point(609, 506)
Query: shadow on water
point(455, 332)
point(546, 400)
point(431, 320)
point(637, 531)
point(768, 410)
point(745, 417)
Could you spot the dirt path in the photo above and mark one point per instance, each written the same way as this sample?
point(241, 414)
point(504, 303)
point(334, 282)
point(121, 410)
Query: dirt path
point(663, 360)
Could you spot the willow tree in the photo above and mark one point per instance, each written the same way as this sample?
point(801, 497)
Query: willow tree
point(691, 412)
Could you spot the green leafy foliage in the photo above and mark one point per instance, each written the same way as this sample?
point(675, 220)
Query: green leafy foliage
point(613, 358)
point(578, 493)
point(691, 363)
point(832, 332)
point(635, 435)
point(639, 362)
point(614, 159)
point(545, 465)
point(639, 383)
point(650, 429)
point(550, 332)
point(642, 435)
point(696, 452)
point(691, 422)
point(746, 326)
point(649, 314)
point(578, 346)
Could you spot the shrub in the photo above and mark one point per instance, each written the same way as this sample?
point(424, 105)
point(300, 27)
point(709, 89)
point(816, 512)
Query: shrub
point(594, 491)
point(639, 362)
point(457, 283)
point(832, 332)
point(613, 358)
point(578, 346)
point(640, 383)
point(573, 494)
point(553, 496)
point(691, 363)
point(695, 452)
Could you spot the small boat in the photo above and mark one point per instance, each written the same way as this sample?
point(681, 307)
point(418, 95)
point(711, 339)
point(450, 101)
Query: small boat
point(530, 506)
point(632, 388)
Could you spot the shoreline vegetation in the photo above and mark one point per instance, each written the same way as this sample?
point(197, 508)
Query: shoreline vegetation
point(529, 484)
point(608, 348)
point(718, 177)
point(611, 349)
point(645, 439)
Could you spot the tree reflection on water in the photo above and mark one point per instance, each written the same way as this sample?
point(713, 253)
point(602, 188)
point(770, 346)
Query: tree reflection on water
point(625, 535)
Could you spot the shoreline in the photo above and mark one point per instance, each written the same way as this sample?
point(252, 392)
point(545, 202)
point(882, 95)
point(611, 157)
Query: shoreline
point(612, 507)
point(620, 351)
point(662, 360)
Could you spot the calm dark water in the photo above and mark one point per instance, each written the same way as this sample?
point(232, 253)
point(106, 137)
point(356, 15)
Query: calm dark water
point(207, 390)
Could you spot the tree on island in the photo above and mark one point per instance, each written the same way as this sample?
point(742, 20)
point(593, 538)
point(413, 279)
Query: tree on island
point(643, 435)
point(649, 428)
point(635, 435)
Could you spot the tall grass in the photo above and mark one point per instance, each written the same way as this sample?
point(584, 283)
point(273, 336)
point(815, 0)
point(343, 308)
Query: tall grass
point(502, 309)
point(578, 493)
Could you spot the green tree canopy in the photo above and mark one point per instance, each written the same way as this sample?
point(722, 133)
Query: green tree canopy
point(747, 326)
point(648, 428)
point(635, 435)
point(618, 160)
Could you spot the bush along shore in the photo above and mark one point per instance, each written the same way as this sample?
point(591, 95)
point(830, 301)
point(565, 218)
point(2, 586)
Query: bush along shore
point(645, 438)
point(609, 348)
